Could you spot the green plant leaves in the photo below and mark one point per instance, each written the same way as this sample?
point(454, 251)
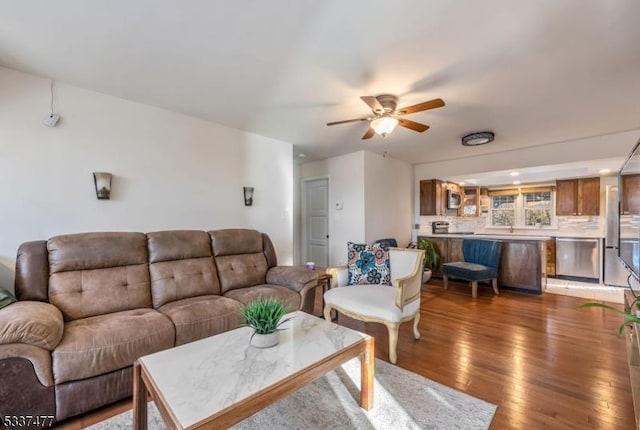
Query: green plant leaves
point(263, 315)
point(628, 318)
point(431, 254)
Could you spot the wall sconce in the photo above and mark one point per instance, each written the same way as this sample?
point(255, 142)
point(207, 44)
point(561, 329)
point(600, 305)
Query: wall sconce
point(248, 195)
point(102, 181)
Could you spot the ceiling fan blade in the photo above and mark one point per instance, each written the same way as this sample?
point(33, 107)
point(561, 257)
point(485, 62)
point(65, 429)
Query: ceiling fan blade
point(431, 104)
point(415, 126)
point(369, 134)
point(347, 121)
point(373, 103)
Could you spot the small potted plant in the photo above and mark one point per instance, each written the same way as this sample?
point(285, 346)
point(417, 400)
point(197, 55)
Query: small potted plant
point(264, 316)
point(431, 260)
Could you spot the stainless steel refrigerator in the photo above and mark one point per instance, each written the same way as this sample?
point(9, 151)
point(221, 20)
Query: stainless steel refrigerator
point(614, 271)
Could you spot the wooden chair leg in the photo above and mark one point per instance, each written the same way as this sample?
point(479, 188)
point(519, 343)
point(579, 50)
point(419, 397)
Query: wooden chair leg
point(393, 341)
point(474, 289)
point(416, 333)
point(494, 282)
point(445, 281)
point(327, 312)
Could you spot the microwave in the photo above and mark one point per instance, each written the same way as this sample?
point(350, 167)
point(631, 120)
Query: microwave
point(454, 199)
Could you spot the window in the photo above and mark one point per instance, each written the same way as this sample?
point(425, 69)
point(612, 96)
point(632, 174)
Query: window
point(503, 210)
point(532, 207)
point(537, 208)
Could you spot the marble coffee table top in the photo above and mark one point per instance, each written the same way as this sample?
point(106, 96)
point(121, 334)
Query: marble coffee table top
point(201, 378)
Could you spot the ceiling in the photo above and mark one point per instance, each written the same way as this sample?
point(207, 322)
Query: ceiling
point(541, 174)
point(533, 72)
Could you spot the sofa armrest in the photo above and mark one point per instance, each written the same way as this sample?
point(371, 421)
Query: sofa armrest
point(295, 278)
point(32, 323)
point(340, 276)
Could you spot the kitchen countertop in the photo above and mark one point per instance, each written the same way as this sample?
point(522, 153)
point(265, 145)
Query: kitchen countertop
point(490, 236)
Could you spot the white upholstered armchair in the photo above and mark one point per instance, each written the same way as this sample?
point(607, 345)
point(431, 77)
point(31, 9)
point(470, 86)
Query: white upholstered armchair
point(390, 305)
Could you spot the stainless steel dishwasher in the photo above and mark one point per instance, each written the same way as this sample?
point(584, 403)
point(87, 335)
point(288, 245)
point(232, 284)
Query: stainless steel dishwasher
point(578, 258)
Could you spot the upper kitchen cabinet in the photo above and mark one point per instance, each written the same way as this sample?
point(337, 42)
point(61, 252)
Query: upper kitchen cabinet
point(470, 201)
point(432, 201)
point(433, 197)
point(630, 194)
point(578, 197)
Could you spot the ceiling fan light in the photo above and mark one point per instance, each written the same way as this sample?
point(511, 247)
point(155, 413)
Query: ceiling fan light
point(384, 125)
point(475, 139)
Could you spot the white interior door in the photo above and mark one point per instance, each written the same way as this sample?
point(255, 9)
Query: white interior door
point(317, 221)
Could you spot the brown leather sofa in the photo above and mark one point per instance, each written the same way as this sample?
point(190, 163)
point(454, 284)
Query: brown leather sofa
point(90, 304)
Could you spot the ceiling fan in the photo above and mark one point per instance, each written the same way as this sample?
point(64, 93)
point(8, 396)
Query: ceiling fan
point(385, 115)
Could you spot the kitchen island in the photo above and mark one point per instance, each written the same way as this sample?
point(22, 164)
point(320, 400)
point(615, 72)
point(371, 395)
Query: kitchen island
point(522, 259)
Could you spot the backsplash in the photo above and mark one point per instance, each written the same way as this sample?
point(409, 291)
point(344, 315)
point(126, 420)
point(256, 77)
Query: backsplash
point(456, 224)
point(629, 225)
point(567, 226)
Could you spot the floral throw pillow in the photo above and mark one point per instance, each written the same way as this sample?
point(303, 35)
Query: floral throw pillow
point(368, 264)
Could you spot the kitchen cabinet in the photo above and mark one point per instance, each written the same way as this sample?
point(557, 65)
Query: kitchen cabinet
point(470, 201)
point(578, 197)
point(485, 202)
point(454, 250)
point(523, 261)
point(441, 245)
point(551, 257)
point(630, 195)
point(433, 197)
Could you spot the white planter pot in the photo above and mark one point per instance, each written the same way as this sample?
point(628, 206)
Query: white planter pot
point(265, 340)
point(426, 275)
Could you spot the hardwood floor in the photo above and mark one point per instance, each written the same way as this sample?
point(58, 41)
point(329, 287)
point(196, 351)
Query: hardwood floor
point(545, 363)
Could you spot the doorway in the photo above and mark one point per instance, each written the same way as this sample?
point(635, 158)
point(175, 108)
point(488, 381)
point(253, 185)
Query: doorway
point(315, 228)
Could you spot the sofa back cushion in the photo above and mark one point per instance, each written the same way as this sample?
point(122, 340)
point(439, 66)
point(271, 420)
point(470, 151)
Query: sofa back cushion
point(240, 258)
point(181, 266)
point(98, 273)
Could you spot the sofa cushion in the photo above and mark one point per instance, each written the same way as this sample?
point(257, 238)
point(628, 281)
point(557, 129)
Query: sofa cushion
point(372, 301)
point(87, 251)
point(85, 293)
point(241, 271)
point(178, 245)
point(247, 295)
point(180, 279)
point(98, 273)
point(469, 271)
point(100, 344)
point(234, 241)
point(199, 317)
point(239, 257)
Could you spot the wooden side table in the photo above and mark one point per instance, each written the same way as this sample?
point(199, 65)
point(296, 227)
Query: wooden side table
point(324, 281)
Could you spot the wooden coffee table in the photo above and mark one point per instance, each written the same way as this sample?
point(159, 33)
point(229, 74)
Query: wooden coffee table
point(219, 381)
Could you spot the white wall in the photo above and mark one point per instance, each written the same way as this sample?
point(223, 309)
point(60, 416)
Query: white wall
point(388, 187)
point(171, 171)
point(346, 187)
point(314, 169)
point(375, 194)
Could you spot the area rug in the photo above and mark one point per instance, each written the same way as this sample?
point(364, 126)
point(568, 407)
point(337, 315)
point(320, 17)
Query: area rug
point(403, 400)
